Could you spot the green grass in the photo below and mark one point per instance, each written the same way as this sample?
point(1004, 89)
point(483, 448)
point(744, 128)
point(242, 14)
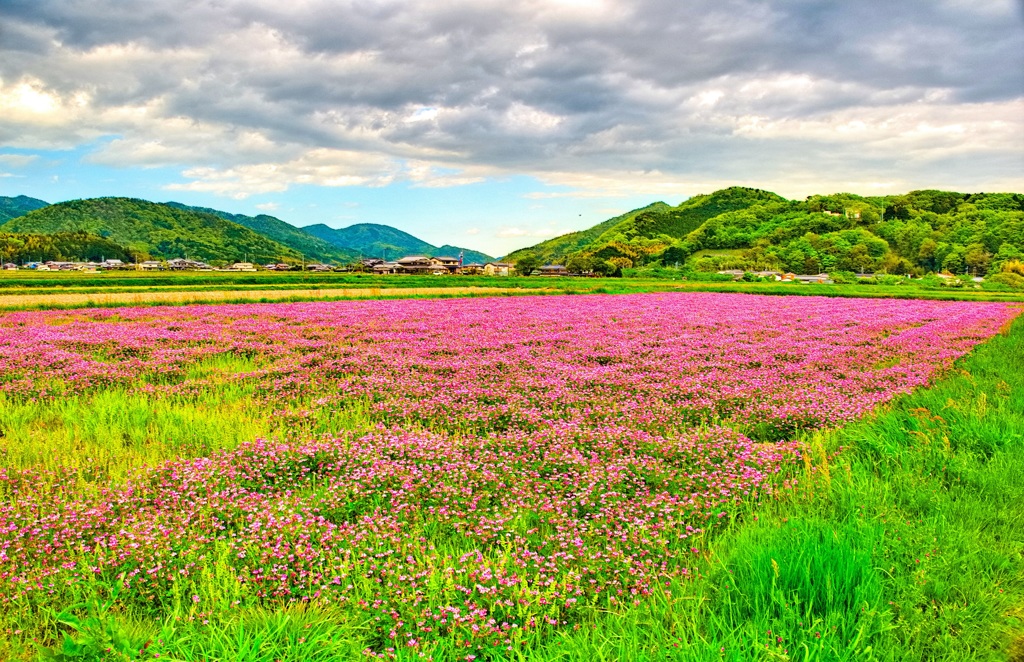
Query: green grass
point(903, 540)
point(143, 282)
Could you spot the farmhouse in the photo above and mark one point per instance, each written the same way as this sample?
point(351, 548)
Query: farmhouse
point(498, 269)
point(382, 267)
point(450, 264)
point(554, 270)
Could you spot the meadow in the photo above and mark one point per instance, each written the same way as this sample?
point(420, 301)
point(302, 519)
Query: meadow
point(642, 476)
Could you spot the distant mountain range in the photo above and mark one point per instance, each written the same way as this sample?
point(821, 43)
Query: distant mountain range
point(386, 242)
point(312, 247)
point(154, 230)
point(734, 228)
point(18, 206)
point(169, 230)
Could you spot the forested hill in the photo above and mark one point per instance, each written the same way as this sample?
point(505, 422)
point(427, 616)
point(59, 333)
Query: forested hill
point(157, 230)
point(61, 246)
point(373, 240)
point(558, 248)
point(13, 207)
point(312, 247)
point(742, 228)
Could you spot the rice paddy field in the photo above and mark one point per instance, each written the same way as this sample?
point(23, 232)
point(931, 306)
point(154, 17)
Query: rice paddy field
point(645, 476)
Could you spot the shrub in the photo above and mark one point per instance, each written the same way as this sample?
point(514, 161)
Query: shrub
point(1008, 278)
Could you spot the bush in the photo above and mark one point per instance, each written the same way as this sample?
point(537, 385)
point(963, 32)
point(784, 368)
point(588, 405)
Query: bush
point(1007, 278)
point(888, 279)
point(843, 277)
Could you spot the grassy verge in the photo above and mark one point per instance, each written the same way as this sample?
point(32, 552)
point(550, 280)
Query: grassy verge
point(904, 540)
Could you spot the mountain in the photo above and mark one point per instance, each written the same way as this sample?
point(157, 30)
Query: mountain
point(18, 206)
point(159, 230)
point(310, 246)
point(657, 222)
point(373, 240)
point(750, 229)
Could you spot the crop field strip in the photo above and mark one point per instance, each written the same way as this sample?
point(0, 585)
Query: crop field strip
point(102, 298)
point(468, 477)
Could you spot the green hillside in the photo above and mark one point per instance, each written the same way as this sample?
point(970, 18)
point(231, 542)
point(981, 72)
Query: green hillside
point(559, 248)
point(60, 246)
point(384, 241)
point(18, 206)
point(742, 228)
point(158, 230)
point(312, 247)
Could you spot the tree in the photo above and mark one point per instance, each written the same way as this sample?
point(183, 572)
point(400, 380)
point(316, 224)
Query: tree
point(580, 263)
point(926, 254)
point(526, 264)
point(954, 260)
point(977, 258)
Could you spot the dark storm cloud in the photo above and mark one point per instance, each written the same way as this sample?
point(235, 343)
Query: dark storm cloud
point(536, 85)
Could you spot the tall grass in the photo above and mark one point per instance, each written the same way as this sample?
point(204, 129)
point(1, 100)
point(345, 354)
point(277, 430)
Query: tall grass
point(901, 541)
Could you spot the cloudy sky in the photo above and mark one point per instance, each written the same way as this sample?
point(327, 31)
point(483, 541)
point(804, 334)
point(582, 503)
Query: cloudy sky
point(494, 124)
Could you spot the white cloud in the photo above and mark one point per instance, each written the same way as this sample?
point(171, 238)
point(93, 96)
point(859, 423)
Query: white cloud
point(17, 160)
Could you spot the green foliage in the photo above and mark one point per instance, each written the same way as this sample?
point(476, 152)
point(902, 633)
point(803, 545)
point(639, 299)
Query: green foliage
point(1009, 279)
point(526, 264)
point(61, 247)
point(916, 233)
point(160, 230)
point(900, 541)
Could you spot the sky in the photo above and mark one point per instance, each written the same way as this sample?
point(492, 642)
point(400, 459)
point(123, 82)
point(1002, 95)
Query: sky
point(493, 124)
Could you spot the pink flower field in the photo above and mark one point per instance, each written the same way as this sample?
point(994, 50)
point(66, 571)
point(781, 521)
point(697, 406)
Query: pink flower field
point(523, 458)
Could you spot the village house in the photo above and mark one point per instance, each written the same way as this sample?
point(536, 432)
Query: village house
point(554, 270)
point(416, 264)
point(10, 266)
point(181, 264)
point(822, 279)
point(150, 265)
point(242, 266)
point(472, 269)
point(450, 264)
point(382, 267)
point(498, 269)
